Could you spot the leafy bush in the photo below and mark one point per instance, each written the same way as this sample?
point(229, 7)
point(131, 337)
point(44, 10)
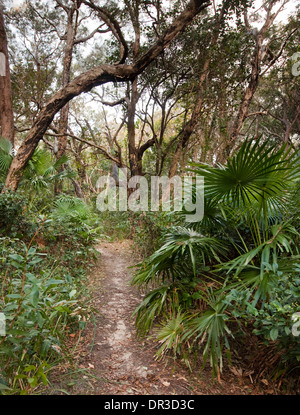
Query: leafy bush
point(116, 225)
point(149, 228)
point(40, 176)
point(72, 229)
point(42, 285)
point(274, 319)
point(73, 216)
point(146, 229)
point(15, 220)
point(40, 304)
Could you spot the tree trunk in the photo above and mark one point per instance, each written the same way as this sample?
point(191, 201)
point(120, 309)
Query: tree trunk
point(6, 107)
point(85, 82)
point(77, 189)
point(247, 98)
point(134, 162)
point(66, 77)
point(190, 126)
point(256, 63)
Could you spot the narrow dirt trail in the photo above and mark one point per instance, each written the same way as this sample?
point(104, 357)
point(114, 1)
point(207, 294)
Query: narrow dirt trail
point(122, 364)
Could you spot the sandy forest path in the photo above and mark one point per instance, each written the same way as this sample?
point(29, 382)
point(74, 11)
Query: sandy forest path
point(124, 365)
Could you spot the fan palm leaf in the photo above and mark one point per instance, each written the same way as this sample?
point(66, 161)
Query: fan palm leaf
point(5, 157)
point(183, 248)
point(259, 178)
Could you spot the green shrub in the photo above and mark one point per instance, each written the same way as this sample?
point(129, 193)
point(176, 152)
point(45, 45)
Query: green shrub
point(237, 267)
point(15, 220)
point(42, 286)
point(71, 230)
point(149, 229)
point(116, 225)
point(146, 229)
point(39, 302)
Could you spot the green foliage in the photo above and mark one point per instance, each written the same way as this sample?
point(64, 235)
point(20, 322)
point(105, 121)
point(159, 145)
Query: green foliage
point(73, 221)
point(15, 220)
point(42, 286)
point(170, 335)
point(211, 329)
point(256, 178)
point(39, 302)
point(149, 229)
point(153, 305)
point(272, 316)
point(273, 321)
point(5, 158)
point(40, 176)
point(240, 264)
point(179, 256)
point(116, 225)
point(145, 228)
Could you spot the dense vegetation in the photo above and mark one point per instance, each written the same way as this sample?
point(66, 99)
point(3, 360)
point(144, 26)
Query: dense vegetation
point(46, 253)
point(156, 88)
point(236, 272)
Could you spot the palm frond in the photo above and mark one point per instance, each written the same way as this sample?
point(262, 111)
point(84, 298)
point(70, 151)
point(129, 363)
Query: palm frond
point(183, 249)
point(258, 177)
point(151, 307)
point(210, 328)
point(5, 157)
point(169, 334)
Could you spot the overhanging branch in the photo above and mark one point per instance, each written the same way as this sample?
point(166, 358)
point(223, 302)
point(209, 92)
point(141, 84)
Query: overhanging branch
point(95, 77)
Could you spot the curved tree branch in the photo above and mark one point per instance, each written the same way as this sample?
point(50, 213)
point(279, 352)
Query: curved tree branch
point(113, 25)
point(90, 79)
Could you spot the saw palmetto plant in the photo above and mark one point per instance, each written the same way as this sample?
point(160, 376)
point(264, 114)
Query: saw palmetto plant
point(247, 242)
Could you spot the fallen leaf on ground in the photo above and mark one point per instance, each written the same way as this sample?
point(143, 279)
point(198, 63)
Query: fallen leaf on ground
point(236, 371)
point(164, 382)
